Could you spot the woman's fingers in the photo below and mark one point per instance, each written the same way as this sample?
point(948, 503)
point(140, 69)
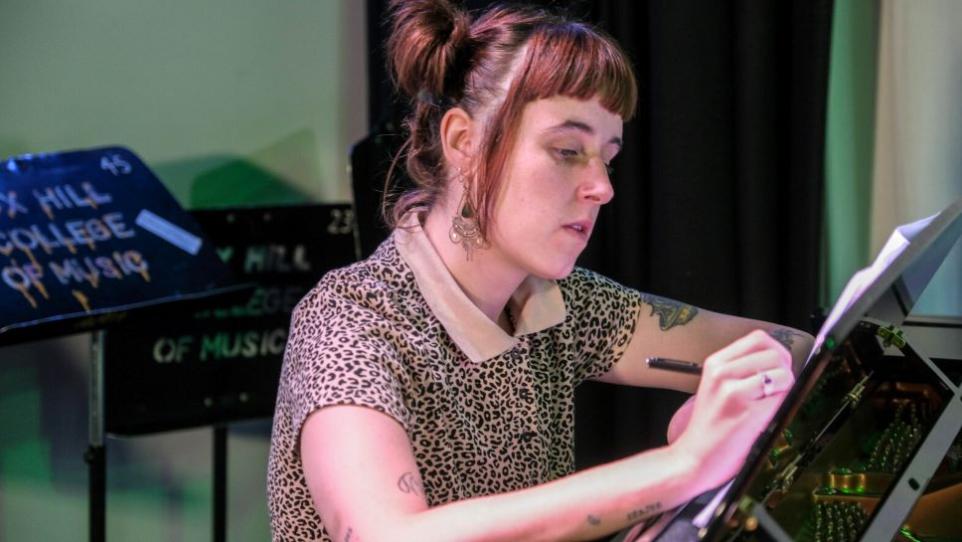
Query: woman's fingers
point(764, 384)
point(771, 382)
point(753, 342)
point(744, 366)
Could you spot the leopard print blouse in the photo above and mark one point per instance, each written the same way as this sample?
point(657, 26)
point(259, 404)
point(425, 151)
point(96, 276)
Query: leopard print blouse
point(492, 422)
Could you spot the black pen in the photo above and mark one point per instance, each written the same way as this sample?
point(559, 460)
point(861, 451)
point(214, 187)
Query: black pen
point(677, 365)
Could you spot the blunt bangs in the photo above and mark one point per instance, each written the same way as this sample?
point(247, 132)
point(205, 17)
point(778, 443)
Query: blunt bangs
point(577, 61)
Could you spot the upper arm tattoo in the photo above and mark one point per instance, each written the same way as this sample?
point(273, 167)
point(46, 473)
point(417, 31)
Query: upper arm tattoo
point(670, 313)
point(785, 336)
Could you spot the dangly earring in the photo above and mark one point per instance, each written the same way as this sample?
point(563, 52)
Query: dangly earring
point(464, 226)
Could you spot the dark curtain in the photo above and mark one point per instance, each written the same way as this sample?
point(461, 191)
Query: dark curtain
point(719, 187)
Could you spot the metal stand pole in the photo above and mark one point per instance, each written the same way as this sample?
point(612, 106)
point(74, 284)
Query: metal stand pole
point(96, 456)
point(220, 483)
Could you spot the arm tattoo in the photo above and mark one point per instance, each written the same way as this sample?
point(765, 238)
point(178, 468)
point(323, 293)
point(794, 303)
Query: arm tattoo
point(410, 483)
point(349, 536)
point(644, 512)
point(593, 520)
point(784, 336)
point(670, 313)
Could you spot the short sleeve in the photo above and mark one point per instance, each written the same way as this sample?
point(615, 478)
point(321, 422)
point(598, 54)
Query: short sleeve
point(338, 354)
point(602, 316)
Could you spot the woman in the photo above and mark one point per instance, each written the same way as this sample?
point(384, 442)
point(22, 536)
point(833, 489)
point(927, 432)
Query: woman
point(427, 391)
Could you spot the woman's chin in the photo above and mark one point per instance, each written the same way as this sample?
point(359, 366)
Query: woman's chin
point(555, 272)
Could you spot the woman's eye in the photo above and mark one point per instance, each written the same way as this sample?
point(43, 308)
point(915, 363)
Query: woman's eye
point(567, 153)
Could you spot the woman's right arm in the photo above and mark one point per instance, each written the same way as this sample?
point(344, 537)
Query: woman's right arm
point(364, 480)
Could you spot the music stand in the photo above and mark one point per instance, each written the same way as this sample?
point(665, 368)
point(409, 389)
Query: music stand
point(90, 239)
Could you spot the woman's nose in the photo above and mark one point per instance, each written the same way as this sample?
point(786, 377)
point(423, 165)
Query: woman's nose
point(597, 187)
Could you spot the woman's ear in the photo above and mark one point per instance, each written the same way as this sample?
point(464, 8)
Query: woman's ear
point(456, 131)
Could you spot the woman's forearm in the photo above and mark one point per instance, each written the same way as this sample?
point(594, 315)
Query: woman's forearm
point(582, 506)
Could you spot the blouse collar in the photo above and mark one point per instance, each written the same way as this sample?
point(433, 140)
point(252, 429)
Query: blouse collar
point(536, 305)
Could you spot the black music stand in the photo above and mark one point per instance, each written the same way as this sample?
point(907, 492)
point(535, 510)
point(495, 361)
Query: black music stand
point(221, 364)
point(90, 239)
point(371, 160)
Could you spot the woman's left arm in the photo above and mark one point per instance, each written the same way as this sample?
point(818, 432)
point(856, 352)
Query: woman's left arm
point(671, 329)
point(668, 328)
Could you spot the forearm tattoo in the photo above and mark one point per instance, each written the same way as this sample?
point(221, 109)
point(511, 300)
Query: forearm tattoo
point(784, 336)
point(670, 313)
point(409, 482)
point(642, 513)
point(349, 536)
point(593, 520)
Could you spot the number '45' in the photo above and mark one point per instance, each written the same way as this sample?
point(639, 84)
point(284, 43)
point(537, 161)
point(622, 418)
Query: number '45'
point(115, 164)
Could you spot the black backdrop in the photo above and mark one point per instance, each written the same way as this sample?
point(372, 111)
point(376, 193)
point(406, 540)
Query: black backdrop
point(719, 188)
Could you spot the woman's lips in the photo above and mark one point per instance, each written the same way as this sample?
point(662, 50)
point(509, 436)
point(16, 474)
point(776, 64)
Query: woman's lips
point(582, 229)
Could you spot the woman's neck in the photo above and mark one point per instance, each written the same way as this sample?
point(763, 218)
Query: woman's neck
point(487, 279)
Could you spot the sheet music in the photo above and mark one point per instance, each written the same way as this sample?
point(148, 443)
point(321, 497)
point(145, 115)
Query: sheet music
point(861, 280)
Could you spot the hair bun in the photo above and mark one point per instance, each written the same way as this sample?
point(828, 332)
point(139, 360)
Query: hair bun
point(425, 38)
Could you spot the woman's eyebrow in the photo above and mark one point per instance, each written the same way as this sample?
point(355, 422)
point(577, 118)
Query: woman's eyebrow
point(580, 126)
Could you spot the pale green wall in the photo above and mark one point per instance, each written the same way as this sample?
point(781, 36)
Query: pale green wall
point(189, 85)
point(229, 101)
point(849, 143)
point(894, 135)
point(918, 159)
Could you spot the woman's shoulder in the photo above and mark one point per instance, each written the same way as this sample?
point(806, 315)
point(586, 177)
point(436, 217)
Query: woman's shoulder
point(372, 285)
point(586, 281)
point(353, 312)
point(587, 290)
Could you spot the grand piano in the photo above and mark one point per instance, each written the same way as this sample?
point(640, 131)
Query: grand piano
point(868, 444)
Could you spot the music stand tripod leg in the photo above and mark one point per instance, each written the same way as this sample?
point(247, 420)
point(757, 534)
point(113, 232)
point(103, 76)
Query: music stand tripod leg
point(220, 483)
point(96, 455)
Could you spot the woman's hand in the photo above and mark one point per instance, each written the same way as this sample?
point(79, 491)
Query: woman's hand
point(742, 386)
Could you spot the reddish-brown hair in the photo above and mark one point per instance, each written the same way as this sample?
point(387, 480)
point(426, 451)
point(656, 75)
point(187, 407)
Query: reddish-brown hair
point(440, 59)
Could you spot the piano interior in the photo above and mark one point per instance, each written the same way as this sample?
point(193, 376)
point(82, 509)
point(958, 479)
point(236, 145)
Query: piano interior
point(848, 442)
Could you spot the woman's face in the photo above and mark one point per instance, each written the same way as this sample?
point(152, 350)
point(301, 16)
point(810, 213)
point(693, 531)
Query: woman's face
point(555, 182)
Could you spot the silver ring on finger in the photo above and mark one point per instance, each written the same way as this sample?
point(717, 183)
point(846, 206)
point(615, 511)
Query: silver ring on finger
point(768, 385)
